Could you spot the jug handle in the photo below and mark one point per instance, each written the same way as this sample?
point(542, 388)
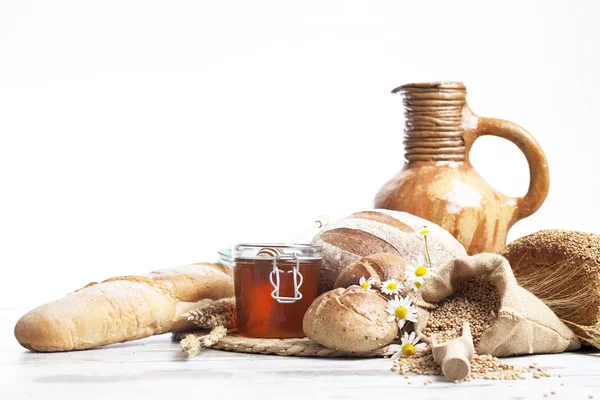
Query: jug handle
point(539, 178)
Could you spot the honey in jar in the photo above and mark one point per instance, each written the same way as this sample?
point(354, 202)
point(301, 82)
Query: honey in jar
point(274, 286)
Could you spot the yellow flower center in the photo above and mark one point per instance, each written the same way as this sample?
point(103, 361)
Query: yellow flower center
point(408, 349)
point(365, 285)
point(421, 270)
point(401, 312)
point(391, 286)
point(424, 231)
point(417, 284)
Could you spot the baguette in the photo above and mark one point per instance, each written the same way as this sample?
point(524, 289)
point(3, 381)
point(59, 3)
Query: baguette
point(123, 308)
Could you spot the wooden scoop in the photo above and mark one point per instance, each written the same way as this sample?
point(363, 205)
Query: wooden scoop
point(454, 356)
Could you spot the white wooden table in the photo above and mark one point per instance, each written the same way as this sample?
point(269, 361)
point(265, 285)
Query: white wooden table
point(155, 368)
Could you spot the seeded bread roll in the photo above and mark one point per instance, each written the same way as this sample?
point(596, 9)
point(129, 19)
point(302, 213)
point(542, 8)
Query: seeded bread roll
point(350, 319)
point(380, 231)
point(562, 268)
point(381, 267)
point(123, 308)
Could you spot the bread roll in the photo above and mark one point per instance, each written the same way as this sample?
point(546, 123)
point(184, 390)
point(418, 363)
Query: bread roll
point(123, 308)
point(350, 319)
point(381, 267)
point(380, 231)
point(562, 268)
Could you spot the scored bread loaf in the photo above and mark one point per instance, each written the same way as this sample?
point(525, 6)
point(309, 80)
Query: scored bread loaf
point(350, 319)
point(381, 267)
point(123, 308)
point(381, 231)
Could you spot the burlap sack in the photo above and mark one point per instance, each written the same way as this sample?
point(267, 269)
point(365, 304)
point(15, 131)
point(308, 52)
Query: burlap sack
point(525, 325)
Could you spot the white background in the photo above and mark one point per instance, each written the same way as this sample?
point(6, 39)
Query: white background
point(141, 135)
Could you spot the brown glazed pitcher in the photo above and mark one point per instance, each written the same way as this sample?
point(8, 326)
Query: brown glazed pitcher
point(439, 183)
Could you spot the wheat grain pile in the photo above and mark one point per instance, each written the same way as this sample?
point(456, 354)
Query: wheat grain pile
point(482, 367)
point(475, 301)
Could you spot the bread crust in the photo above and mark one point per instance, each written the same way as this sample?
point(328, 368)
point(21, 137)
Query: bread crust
point(123, 308)
point(380, 231)
point(562, 268)
point(381, 267)
point(350, 319)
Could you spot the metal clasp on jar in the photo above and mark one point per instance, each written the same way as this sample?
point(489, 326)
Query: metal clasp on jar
point(275, 279)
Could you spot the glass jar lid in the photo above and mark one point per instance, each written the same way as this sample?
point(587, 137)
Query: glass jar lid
point(272, 251)
point(225, 257)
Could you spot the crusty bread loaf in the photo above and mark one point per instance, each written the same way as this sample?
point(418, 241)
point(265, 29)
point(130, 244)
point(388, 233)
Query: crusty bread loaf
point(123, 308)
point(350, 319)
point(381, 267)
point(380, 231)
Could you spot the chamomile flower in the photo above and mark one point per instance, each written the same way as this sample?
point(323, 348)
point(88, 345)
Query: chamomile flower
point(391, 286)
point(423, 231)
point(401, 310)
point(414, 283)
point(409, 346)
point(366, 283)
point(417, 272)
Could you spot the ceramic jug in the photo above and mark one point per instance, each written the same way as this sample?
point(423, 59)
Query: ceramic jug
point(438, 182)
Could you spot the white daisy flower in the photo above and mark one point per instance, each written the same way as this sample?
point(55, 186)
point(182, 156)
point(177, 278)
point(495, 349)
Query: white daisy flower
point(414, 283)
point(391, 286)
point(366, 283)
point(409, 346)
point(417, 272)
point(402, 310)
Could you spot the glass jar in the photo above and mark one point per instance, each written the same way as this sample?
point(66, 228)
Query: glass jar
point(274, 286)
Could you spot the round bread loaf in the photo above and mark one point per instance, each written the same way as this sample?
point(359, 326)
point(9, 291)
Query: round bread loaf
point(350, 319)
point(380, 231)
point(562, 268)
point(381, 267)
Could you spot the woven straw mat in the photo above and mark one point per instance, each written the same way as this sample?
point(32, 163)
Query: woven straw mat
point(286, 347)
